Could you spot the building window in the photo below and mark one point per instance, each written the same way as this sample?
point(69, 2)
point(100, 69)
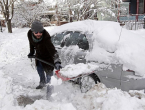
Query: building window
point(141, 6)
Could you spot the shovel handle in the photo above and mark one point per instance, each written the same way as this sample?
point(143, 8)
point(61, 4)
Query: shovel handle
point(44, 61)
point(56, 72)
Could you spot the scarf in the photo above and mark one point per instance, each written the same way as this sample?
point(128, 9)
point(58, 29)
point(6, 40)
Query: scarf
point(35, 39)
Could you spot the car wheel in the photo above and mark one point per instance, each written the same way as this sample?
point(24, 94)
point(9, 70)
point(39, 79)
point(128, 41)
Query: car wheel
point(87, 82)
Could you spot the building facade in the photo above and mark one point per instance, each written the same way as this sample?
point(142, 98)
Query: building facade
point(136, 10)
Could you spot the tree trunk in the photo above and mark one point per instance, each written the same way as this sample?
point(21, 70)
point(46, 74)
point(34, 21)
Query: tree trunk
point(9, 26)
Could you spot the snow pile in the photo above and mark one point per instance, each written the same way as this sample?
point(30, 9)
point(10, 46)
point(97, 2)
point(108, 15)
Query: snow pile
point(6, 89)
point(131, 51)
point(102, 98)
point(13, 48)
point(74, 70)
point(46, 105)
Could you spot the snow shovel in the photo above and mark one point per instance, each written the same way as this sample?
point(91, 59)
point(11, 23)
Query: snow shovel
point(56, 72)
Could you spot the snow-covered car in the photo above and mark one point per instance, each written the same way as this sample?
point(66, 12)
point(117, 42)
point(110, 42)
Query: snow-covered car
point(118, 52)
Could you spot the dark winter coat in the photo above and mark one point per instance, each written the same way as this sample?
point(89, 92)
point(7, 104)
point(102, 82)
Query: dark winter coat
point(45, 50)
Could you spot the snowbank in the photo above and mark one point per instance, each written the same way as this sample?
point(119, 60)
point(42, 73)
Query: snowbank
point(6, 89)
point(102, 98)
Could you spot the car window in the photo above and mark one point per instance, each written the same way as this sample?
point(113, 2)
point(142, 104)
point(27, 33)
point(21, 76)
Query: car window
point(83, 42)
point(76, 38)
point(65, 39)
point(57, 38)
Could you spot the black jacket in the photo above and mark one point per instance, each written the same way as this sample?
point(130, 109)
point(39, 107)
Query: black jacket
point(45, 50)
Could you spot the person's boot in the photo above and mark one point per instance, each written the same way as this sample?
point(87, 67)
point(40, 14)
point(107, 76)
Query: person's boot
point(41, 85)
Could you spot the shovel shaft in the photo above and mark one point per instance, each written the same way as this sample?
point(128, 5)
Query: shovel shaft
point(44, 62)
point(56, 72)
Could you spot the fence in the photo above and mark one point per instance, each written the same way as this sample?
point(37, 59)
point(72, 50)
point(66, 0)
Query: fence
point(133, 22)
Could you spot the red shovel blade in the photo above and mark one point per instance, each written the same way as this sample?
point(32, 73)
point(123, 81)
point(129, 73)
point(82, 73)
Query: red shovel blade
point(61, 77)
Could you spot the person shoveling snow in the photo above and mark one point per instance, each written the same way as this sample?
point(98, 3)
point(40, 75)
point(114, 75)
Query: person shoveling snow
point(39, 39)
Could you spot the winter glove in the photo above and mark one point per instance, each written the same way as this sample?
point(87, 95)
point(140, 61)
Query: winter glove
point(30, 55)
point(58, 66)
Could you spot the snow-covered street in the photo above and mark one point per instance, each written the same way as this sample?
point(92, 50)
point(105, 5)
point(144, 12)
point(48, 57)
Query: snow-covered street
point(19, 78)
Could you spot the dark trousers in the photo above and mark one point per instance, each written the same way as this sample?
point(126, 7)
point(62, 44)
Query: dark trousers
point(44, 78)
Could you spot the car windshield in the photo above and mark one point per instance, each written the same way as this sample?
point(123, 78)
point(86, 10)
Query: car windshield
point(69, 38)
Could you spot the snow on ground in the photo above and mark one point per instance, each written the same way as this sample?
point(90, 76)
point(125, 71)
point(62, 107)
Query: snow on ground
point(18, 79)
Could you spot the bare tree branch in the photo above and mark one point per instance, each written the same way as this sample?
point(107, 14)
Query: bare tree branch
point(7, 7)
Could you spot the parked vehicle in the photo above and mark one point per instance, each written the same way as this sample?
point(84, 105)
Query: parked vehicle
point(73, 46)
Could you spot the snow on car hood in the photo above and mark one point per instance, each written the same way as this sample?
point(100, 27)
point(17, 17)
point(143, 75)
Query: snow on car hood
point(111, 43)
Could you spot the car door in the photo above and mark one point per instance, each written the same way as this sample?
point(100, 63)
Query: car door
point(111, 75)
point(74, 48)
point(131, 81)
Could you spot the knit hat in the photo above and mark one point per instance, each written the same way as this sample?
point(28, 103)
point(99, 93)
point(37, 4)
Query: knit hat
point(37, 26)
